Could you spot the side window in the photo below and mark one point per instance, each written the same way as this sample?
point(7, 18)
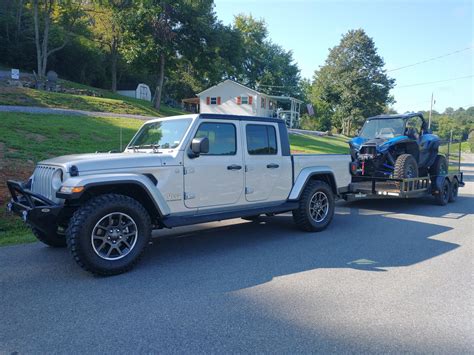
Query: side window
point(222, 137)
point(413, 127)
point(415, 124)
point(261, 139)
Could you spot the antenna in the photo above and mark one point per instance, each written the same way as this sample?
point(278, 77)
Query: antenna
point(121, 139)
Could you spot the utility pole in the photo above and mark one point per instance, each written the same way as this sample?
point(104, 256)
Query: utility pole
point(431, 109)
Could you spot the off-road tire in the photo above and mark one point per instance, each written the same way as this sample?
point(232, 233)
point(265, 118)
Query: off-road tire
point(54, 240)
point(440, 166)
point(453, 193)
point(302, 215)
point(403, 165)
point(442, 198)
point(83, 222)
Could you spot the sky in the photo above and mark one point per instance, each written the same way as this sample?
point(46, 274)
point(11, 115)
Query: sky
point(405, 32)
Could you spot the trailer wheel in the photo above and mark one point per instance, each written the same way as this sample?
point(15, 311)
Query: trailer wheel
point(453, 196)
point(316, 207)
point(442, 198)
point(108, 234)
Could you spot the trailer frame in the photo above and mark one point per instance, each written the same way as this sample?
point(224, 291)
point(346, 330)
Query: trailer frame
point(371, 187)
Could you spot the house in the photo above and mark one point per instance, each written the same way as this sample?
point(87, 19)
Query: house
point(142, 92)
point(230, 97)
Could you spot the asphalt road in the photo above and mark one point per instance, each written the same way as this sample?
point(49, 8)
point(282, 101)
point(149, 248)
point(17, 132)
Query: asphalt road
point(387, 276)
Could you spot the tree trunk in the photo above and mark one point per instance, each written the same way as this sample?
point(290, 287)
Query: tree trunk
point(37, 39)
point(113, 67)
point(159, 88)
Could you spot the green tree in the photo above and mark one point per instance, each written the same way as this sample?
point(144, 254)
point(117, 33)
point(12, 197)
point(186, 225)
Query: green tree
point(266, 66)
point(161, 33)
point(54, 22)
point(108, 27)
point(353, 81)
point(447, 126)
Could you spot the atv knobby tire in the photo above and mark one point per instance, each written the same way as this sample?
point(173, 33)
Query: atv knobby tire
point(86, 222)
point(405, 167)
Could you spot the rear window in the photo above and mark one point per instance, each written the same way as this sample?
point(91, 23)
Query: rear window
point(261, 140)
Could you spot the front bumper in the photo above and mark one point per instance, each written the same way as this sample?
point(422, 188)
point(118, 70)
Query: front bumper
point(35, 210)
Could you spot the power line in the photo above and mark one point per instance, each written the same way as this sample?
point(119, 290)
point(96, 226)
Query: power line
point(430, 59)
point(278, 86)
point(434, 82)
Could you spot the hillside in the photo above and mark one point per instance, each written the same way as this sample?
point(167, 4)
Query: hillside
point(91, 99)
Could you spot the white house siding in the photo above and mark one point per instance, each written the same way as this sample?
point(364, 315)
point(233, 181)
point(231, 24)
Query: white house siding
point(229, 92)
point(264, 111)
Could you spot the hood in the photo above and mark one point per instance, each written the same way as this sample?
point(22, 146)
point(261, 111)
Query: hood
point(381, 143)
point(111, 161)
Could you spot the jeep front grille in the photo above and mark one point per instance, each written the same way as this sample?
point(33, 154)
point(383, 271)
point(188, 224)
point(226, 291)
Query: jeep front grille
point(41, 183)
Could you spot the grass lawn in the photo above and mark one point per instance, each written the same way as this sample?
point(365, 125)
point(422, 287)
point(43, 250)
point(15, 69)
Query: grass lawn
point(26, 139)
point(109, 102)
point(323, 145)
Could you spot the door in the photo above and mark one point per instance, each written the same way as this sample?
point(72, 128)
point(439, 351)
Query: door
point(267, 172)
point(215, 178)
point(415, 125)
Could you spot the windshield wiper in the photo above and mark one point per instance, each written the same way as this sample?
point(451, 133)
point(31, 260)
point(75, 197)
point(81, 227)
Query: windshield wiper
point(155, 147)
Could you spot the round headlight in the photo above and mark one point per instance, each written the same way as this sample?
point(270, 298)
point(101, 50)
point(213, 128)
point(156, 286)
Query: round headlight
point(57, 179)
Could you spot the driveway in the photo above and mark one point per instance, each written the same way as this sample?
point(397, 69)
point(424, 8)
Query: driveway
point(70, 112)
point(386, 276)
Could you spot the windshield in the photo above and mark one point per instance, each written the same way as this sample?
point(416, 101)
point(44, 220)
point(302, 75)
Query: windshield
point(383, 128)
point(165, 134)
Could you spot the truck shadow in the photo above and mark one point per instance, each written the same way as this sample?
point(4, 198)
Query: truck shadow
point(237, 256)
point(425, 207)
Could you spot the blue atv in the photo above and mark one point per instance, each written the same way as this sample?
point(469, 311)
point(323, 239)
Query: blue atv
point(398, 147)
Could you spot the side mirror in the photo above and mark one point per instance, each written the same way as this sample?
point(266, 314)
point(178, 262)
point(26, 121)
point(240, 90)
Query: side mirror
point(199, 146)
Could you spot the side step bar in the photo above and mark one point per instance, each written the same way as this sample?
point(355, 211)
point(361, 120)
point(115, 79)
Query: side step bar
point(177, 221)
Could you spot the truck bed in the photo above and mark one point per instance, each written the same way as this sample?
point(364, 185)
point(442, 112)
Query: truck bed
point(336, 163)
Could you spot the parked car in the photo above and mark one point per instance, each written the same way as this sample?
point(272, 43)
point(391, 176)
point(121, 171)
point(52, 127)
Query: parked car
point(396, 146)
point(176, 171)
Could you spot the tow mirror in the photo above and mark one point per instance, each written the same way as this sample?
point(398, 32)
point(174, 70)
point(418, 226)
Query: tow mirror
point(199, 146)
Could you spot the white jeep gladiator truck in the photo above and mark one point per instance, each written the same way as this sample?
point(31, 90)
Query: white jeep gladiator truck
point(176, 171)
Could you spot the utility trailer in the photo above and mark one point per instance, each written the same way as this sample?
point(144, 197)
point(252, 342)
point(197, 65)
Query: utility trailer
point(444, 188)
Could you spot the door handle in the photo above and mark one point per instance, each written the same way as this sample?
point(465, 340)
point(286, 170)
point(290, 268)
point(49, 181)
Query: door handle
point(234, 167)
point(273, 166)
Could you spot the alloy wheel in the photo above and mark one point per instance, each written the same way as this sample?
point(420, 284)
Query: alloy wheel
point(114, 236)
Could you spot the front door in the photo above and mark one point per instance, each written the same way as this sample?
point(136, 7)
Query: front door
point(215, 178)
